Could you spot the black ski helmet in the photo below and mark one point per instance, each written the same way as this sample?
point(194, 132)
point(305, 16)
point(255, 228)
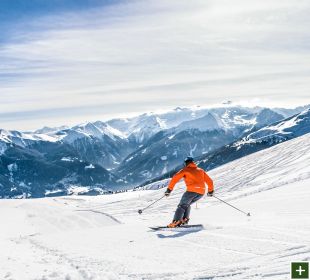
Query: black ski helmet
point(188, 160)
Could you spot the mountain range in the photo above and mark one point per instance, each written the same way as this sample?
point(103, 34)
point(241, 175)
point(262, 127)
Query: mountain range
point(265, 137)
point(123, 153)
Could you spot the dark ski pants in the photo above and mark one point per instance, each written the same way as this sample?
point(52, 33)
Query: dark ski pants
point(184, 206)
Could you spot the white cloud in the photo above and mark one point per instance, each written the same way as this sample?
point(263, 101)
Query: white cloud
point(161, 53)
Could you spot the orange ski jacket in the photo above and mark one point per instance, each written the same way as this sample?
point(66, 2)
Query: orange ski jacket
point(195, 179)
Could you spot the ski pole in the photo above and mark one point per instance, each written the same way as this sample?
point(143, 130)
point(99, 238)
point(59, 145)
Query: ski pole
point(141, 210)
point(248, 214)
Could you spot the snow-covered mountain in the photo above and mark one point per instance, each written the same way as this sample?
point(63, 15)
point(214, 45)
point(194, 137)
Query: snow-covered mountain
point(103, 237)
point(24, 139)
point(289, 128)
point(206, 123)
point(261, 139)
point(233, 118)
point(98, 142)
point(95, 142)
point(36, 164)
point(140, 128)
point(50, 168)
point(200, 136)
point(167, 149)
point(46, 129)
point(126, 151)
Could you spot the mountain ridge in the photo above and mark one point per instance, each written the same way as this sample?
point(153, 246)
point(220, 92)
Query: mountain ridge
point(126, 153)
point(296, 126)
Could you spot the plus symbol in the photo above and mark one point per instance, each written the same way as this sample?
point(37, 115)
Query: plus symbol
point(300, 270)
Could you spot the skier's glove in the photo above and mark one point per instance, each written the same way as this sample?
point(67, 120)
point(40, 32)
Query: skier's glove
point(167, 192)
point(210, 193)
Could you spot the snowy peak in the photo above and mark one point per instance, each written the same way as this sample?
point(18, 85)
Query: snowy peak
point(146, 126)
point(5, 136)
point(267, 116)
point(46, 129)
point(140, 128)
point(206, 123)
point(69, 135)
point(292, 111)
point(294, 126)
point(4, 141)
point(23, 139)
point(237, 120)
point(97, 130)
point(232, 118)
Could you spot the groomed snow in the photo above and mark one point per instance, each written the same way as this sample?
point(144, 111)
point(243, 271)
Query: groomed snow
point(104, 237)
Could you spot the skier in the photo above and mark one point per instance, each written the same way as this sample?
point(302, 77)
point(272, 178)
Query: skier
point(195, 179)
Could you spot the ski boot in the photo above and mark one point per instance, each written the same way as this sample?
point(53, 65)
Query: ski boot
point(175, 224)
point(184, 221)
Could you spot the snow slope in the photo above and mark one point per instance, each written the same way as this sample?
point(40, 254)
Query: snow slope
point(103, 237)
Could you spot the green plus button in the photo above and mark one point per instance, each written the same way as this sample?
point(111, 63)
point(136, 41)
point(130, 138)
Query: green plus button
point(300, 270)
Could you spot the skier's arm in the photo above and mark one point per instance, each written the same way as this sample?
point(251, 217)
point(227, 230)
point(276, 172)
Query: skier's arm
point(177, 177)
point(209, 182)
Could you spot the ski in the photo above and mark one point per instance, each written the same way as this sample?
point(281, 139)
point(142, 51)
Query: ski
point(198, 226)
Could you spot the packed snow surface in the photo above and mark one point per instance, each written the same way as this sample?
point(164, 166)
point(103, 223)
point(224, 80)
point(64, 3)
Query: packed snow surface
point(103, 237)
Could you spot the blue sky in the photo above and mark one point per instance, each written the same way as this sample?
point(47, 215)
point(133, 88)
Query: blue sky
point(70, 61)
point(17, 10)
point(15, 15)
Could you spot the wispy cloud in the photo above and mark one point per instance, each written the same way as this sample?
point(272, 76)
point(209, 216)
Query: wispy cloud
point(160, 53)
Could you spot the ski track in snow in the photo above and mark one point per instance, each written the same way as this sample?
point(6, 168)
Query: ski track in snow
point(100, 212)
point(103, 237)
